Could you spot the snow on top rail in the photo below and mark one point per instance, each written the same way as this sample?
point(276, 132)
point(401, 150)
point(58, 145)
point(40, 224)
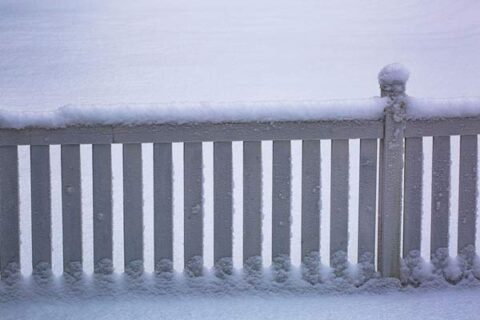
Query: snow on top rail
point(423, 108)
point(180, 113)
point(269, 111)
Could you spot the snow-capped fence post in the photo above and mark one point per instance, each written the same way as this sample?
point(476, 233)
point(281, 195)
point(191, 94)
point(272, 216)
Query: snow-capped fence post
point(392, 80)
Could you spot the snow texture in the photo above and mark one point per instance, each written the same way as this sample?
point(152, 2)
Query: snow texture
point(85, 52)
point(426, 305)
point(357, 286)
point(422, 108)
point(393, 73)
point(188, 113)
point(180, 113)
point(152, 297)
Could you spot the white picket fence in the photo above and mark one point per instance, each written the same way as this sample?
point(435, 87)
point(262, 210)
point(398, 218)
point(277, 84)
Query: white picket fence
point(399, 193)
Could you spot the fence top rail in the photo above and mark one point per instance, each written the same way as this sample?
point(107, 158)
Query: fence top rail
point(442, 127)
point(444, 120)
point(195, 132)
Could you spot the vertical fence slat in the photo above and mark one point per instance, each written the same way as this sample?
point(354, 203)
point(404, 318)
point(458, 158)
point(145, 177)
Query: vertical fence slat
point(412, 201)
point(223, 201)
point(9, 211)
point(163, 206)
point(440, 193)
point(467, 211)
point(102, 208)
point(71, 209)
point(252, 200)
point(390, 189)
point(133, 207)
point(281, 194)
point(310, 197)
point(367, 197)
point(41, 207)
point(339, 197)
point(193, 208)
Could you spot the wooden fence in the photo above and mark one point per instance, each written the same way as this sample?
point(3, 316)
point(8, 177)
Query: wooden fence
point(398, 199)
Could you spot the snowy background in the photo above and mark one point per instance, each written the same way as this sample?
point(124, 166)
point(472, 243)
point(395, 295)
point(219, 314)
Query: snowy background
point(57, 53)
point(106, 52)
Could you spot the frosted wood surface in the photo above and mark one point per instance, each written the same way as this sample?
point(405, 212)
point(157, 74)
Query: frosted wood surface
point(102, 202)
point(281, 198)
point(310, 197)
point(193, 204)
point(442, 127)
point(71, 206)
point(163, 201)
point(132, 203)
point(339, 197)
point(9, 208)
point(41, 205)
point(250, 131)
point(440, 193)
point(390, 195)
point(252, 199)
point(467, 211)
point(223, 201)
point(286, 130)
point(367, 201)
point(412, 216)
point(196, 132)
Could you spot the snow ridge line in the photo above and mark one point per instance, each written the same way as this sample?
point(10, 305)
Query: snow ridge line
point(207, 112)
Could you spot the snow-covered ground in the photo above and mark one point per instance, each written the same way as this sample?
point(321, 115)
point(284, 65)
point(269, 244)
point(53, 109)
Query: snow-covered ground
point(458, 304)
point(54, 53)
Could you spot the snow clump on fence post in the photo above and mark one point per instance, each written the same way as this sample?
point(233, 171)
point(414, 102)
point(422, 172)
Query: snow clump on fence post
point(393, 79)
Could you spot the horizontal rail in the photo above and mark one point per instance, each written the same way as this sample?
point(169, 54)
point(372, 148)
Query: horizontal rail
point(247, 131)
point(442, 127)
point(196, 132)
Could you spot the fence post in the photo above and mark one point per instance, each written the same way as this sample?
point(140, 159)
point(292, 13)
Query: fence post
point(392, 79)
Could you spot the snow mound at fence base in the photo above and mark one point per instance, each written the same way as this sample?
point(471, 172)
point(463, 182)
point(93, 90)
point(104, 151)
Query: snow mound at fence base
point(426, 305)
point(343, 291)
point(281, 279)
point(152, 297)
point(267, 111)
